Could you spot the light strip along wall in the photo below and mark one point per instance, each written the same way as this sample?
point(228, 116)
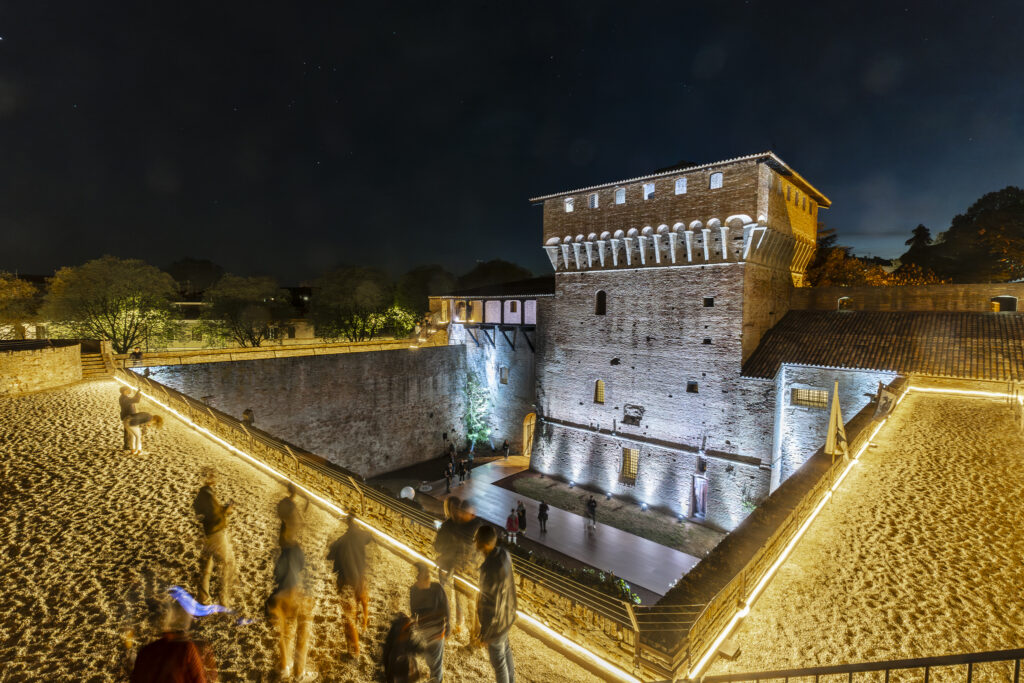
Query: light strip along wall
point(592, 657)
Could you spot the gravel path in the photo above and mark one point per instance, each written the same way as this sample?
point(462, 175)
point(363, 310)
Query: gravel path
point(92, 538)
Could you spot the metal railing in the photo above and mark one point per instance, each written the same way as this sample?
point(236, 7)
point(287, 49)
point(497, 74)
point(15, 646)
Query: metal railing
point(589, 617)
point(926, 664)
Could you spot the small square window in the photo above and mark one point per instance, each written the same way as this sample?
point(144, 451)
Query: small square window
point(709, 301)
point(620, 195)
point(503, 374)
point(680, 185)
point(707, 340)
point(568, 204)
point(592, 201)
point(716, 181)
point(691, 387)
point(648, 190)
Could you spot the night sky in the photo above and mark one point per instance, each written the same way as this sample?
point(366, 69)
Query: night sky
point(290, 137)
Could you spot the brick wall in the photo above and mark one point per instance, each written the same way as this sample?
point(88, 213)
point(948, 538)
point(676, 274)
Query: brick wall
point(368, 412)
point(510, 402)
point(912, 298)
point(801, 430)
point(37, 369)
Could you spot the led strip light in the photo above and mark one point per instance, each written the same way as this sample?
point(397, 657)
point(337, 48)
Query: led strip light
point(590, 656)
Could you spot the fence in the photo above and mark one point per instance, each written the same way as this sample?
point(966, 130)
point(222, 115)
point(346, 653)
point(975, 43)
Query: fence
point(1010, 672)
point(591, 619)
point(705, 627)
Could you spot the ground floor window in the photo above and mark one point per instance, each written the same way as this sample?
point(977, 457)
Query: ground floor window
point(700, 497)
point(630, 464)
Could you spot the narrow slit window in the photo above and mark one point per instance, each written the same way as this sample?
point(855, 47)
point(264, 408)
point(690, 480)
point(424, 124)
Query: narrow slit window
point(600, 303)
point(716, 181)
point(592, 201)
point(620, 195)
point(599, 391)
point(503, 375)
point(630, 466)
point(680, 185)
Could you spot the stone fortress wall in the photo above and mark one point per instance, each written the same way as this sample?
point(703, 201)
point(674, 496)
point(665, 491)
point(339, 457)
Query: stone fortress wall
point(29, 366)
point(368, 412)
point(973, 297)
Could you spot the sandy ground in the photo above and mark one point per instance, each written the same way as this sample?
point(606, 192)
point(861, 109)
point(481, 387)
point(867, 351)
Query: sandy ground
point(90, 539)
point(919, 554)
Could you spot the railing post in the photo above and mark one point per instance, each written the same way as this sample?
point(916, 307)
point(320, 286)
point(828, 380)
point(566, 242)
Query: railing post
point(970, 671)
point(636, 637)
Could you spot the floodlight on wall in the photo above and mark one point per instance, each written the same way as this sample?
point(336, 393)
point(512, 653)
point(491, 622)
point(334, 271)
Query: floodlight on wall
point(643, 506)
point(572, 484)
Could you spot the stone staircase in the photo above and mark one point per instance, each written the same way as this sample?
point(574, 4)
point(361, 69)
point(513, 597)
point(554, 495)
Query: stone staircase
point(93, 366)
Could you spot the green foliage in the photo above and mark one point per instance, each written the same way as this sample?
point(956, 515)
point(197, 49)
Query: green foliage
point(399, 321)
point(245, 309)
point(352, 304)
point(418, 284)
point(478, 409)
point(124, 301)
point(17, 305)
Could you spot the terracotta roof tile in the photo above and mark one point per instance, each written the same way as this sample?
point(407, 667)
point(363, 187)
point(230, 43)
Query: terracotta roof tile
point(966, 345)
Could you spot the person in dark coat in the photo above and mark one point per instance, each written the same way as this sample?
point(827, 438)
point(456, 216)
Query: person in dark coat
point(496, 604)
point(542, 516)
point(174, 657)
point(399, 652)
point(592, 511)
point(428, 605)
point(448, 478)
point(290, 512)
point(462, 471)
point(348, 555)
point(521, 514)
point(129, 406)
point(505, 447)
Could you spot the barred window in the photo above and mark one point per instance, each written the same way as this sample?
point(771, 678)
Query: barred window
point(592, 201)
point(813, 398)
point(599, 391)
point(630, 465)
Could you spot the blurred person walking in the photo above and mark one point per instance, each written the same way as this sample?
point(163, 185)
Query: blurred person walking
point(505, 447)
point(428, 605)
point(291, 516)
point(521, 514)
point(216, 542)
point(348, 555)
point(496, 604)
point(290, 610)
point(465, 560)
point(133, 425)
point(174, 657)
point(129, 406)
point(592, 511)
point(542, 517)
point(512, 526)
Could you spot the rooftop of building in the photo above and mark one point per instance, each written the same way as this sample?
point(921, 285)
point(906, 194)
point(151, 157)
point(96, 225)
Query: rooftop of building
point(968, 345)
point(770, 158)
point(533, 287)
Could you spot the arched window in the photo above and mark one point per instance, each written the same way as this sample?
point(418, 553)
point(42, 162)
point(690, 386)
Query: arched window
point(599, 391)
point(716, 181)
point(600, 303)
point(1004, 304)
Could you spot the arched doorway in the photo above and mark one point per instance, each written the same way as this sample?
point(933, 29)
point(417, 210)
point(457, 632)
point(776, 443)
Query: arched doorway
point(528, 424)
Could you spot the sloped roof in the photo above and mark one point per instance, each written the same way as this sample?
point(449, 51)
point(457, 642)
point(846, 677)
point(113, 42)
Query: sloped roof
point(967, 345)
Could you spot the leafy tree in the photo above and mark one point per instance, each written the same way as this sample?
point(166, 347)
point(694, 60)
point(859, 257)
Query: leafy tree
point(351, 303)
point(478, 409)
point(127, 302)
point(194, 276)
point(245, 309)
point(494, 272)
point(17, 305)
point(399, 321)
point(913, 274)
point(840, 268)
point(920, 237)
point(418, 284)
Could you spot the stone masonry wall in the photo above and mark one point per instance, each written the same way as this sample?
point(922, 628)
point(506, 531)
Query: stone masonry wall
point(766, 294)
point(802, 430)
point(368, 412)
point(22, 371)
point(911, 298)
point(511, 401)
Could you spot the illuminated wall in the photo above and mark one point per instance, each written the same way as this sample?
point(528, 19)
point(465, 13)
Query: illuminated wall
point(369, 412)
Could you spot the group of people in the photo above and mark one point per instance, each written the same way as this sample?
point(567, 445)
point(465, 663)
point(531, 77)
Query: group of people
point(135, 421)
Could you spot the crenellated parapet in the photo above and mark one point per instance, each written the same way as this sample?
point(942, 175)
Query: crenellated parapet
point(737, 239)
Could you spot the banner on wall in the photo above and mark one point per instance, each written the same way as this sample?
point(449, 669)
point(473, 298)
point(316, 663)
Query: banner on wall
point(835, 442)
point(886, 402)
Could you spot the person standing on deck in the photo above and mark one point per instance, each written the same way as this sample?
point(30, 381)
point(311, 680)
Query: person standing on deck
point(512, 526)
point(542, 517)
point(592, 511)
point(521, 514)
